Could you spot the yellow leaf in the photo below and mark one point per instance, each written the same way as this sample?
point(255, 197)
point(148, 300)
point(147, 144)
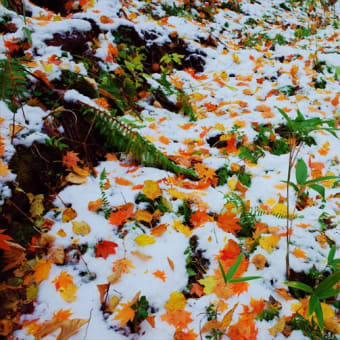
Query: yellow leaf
point(75, 179)
point(112, 304)
point(115, 277)
point(179, 226)
point(209, 284)
point(279, 209)
point(177, 194)
point(329, 182)
point(144, 240)
point(64, 284)
point(227, 318)
point(81, 228)
point(61, 233)
point(37, 207)
point(278, 327)
point(176, 301)
point(15, 129)
point(236, 58)
point(4, 171)
point(69, 214)
point(232, 183)
point(41, 271)
point(141, 256)
point(210, 325)
point(125, 314)
point(268, 243)
point(151, 189)
point(144, 216)
point(332, 325)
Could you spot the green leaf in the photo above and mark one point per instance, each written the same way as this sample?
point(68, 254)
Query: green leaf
point(301, 172)
point(312, 304)
point(329, 293)
point(327, 283)
point(233, 269)
point(319, 189)
point(299, 285)
point(223, 272)
point(289, 121)
point(246, 278)
point(296, 188)
point(319, 314)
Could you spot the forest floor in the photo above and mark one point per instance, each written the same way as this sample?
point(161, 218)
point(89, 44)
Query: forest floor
point(169, 170)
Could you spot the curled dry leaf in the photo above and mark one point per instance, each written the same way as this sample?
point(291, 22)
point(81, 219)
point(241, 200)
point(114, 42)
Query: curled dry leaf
point(14, 256)
point(58, 255)
point(115, 277)
point(259, 261)
point(67, 327)
point(69, 214)
point(114, 301)
point(37, 206)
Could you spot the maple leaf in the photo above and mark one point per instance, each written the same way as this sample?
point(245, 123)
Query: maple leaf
point(160, 274)
point(3, 239)
point(185, 335)
point(64, 284)
point(122, 214)
point(14, 256)
point(125, 314)
point(126, 265)
point(63, 314)
point(297, 252)
point(230, 251)
point(177, 318)
point(259, 261)
point(244, 329)
point(151, 189)
point(41, 271)
point(199, 217)
point(105, 248)
point(70, 159)
point(228, 223)
point(69, 214)
point(197, 289)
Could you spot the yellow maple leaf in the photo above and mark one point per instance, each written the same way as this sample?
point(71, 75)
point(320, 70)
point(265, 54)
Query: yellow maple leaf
point(209, 283)
point(176, 301)
point(268, 243)
point(125, 263)
point(151, 189)
point(41, 271)
point(144, 240)
point(125, 314)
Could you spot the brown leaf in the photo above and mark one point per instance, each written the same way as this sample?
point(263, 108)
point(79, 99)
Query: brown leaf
point(14, 256)
point(115, 277)
point(171, 264)
point(58, 255)
point(75, 179)
point(102, 288)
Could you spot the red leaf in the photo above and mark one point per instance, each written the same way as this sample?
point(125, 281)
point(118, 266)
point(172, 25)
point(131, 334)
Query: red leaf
point(105, 248)
point(3, 238)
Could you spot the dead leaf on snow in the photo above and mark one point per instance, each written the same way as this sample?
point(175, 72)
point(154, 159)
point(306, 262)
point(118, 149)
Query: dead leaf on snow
point(14, 256)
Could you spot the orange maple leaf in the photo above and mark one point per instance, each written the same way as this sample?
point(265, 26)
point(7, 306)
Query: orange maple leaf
point(244, 329)
point(125, 314)
point(41, 271)
point(228, 222)
point(177, 318)
point(230, 251)
point(3, 239)
point(122, 214)
point(199, 217)
point(160, 274)
point(185, 335)
point(105, 248)
point(63, 314)
point(239, 287)
point(197, 289)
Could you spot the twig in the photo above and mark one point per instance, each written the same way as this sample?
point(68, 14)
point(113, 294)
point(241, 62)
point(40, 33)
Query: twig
point(88, 324)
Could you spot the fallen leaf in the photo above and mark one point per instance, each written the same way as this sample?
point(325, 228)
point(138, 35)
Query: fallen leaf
point(171, 264)
point(259, 261)
point(122, 215)
point(80, 228)
point(209, 283)
point(160, 274)
point(125, 264)
point(3, 238)
point(228, 222)
point(41, 271)
point(102, 288)
point(69, 214)
point(115, 277)
point(67, 327)
point(70, 159)
point(176, 301)
point(268, 243)
point(125, 314)
point(159, 230)
point(75, 179)
point(122, 181)
point(37, 206)
point(63, 314)
point(105, 248)
point(297, 252)
point(144, 240)
point(197, 289)
point(141, 256)
point(177, 318)
point(58, 255)
point(143, 216)
point(278, 327)
point(64, 284)
point(95, 205)
point(151, 189)
point(111, 307)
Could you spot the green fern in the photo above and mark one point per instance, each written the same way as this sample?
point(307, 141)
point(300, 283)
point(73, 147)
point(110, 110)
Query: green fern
point(106, 204)
point(121, 136)
point(13, 82)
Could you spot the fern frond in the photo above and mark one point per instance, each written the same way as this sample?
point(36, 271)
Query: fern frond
point(122, 136)
point(261, 212)
point(13, 82)
point(106, 204)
